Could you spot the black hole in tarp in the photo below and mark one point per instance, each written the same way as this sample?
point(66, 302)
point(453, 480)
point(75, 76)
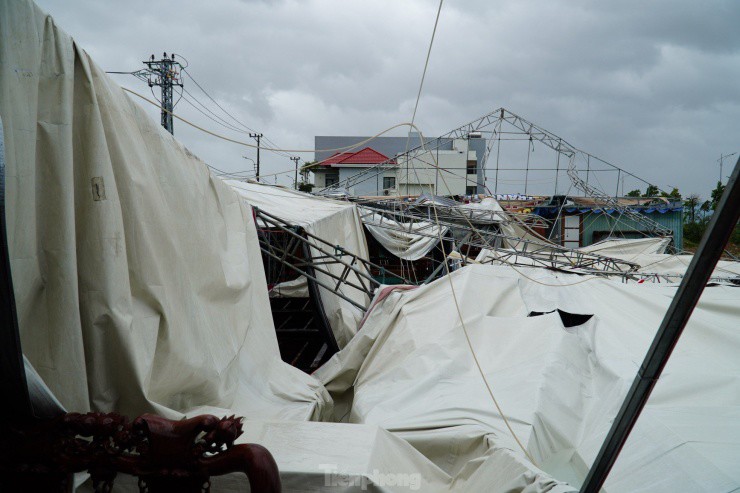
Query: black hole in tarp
point(569, 319)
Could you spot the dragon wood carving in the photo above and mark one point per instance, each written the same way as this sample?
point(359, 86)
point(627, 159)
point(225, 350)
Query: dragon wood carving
point(165, 455)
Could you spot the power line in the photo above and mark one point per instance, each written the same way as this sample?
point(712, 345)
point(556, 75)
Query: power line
point(235, 119)
point(212, 118)
point(216, 102)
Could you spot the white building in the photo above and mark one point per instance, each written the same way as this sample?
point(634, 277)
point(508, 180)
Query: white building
point(439, 171)
point(380, 167)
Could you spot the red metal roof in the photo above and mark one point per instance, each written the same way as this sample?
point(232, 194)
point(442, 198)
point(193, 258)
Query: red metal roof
point(363, 156)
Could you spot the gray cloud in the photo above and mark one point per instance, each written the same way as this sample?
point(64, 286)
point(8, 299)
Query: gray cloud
point(651, 86)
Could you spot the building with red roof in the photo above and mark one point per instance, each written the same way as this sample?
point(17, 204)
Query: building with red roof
point(364, 166)
point(342, 165)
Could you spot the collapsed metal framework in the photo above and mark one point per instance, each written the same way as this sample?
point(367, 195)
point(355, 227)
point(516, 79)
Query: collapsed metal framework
point(463, 215)
point(510, 249)
point(491, 124)
point(310, 256)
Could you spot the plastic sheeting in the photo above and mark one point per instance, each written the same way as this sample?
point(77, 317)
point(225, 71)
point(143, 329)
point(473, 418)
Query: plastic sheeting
point(487, 204)
point(395, 238)
point(410, 371)
point(129, 297)
point(335, 222)
point(628, 246)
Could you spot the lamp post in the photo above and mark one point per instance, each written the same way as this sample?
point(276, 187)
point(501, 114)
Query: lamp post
point(722, 158)
point(250, 159)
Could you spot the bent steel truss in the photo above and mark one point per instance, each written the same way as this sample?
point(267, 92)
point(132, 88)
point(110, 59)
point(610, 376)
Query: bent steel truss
point(309, 256)
point(506, 248)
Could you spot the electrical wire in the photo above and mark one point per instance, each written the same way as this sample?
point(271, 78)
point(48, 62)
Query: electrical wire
point(247, 144)
point(447, 267)
point(238, 122)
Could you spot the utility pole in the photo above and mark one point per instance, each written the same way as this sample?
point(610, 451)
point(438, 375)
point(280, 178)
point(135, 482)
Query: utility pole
point(164, 73)
point(722, 158)
point(257, 137)
point(295, 159)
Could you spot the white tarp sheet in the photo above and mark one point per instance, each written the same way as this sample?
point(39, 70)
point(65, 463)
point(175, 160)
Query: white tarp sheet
point(488, 204)
point(676, 265)
point(399, 238)
point(410, 371)
point(331, 220)
point(296, 288)
point(129, 297)
point(628, 246)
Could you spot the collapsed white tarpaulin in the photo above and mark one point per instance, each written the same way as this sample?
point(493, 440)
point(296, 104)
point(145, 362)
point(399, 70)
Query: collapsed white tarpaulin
point(676, 265)
point(296, 288)
point(410, 371)
point(138, 278)
point(628, 246)
point(487, 204)
point(333, 221)
point(400, 238)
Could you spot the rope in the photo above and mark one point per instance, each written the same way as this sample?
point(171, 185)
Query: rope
point(465, 329)
point(426, 64)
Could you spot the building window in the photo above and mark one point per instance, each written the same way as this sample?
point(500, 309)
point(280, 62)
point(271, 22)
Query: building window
point(389, 182)
point(331, 179)
point(471, 190)
point(472, 167)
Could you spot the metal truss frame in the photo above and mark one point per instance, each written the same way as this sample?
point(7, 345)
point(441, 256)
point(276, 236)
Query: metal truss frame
point(536, 253)
point(491, 124)
point(459, 214)
point(309, 255)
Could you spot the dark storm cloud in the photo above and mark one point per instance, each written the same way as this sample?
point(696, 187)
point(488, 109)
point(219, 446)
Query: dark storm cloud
point(648, 85)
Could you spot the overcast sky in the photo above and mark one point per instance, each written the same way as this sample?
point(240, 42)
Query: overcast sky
point(653, 86)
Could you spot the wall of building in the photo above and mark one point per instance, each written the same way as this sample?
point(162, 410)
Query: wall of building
point(593, 223)
point(443, 171)
point(319, 179)
point(369, 184)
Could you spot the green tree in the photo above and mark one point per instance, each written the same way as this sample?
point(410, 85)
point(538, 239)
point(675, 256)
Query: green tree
point(307, 166)
point(675, 194)
point(716, 195)
point(651, 191)
point(305, 187)
point(634, 193)
point(691, 205)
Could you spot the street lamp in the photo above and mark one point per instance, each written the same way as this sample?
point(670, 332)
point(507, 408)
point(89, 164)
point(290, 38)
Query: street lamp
point(722, 158)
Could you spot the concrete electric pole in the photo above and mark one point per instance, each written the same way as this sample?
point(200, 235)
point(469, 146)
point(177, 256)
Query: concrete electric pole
point(164, 73)
point(257, 137)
